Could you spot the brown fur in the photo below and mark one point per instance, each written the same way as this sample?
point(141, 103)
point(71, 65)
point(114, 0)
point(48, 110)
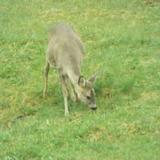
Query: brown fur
point(65, 52)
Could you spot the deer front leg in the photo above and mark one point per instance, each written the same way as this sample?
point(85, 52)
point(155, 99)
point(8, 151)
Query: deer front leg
point(46, 70)
point(65, 95)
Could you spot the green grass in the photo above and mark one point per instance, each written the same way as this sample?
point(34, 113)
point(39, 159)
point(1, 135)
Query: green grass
point(122, 40)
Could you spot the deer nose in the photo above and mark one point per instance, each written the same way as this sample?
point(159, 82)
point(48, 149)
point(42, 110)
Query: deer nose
point(94, 107)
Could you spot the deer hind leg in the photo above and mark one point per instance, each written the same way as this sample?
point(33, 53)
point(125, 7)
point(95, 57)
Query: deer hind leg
point(65, 94)
point(46, 70)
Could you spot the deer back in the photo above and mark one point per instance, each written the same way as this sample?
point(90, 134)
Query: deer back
point(65, 49)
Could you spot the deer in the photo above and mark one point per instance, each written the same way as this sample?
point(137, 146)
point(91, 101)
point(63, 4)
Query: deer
point(65, 53)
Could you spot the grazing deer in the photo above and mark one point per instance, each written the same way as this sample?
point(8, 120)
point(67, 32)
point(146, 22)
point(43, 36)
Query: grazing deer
point(65, 52)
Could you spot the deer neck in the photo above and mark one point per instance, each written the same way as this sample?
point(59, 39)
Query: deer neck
point(74, 80)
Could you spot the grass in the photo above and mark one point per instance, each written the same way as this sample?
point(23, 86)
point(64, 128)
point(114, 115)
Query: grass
point(122, 40)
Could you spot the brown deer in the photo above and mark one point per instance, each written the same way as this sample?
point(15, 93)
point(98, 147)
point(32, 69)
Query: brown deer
point(65, 52)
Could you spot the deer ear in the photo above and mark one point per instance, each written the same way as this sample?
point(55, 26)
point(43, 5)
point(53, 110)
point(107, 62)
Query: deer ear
point(93, 78)
point(81, 81)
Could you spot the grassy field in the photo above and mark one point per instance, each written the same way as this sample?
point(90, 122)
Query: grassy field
point(122, 41)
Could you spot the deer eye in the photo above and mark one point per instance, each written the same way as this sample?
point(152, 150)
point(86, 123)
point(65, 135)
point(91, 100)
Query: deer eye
point(88, 97)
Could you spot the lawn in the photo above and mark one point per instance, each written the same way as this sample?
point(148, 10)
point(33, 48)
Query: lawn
point(122, 42)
